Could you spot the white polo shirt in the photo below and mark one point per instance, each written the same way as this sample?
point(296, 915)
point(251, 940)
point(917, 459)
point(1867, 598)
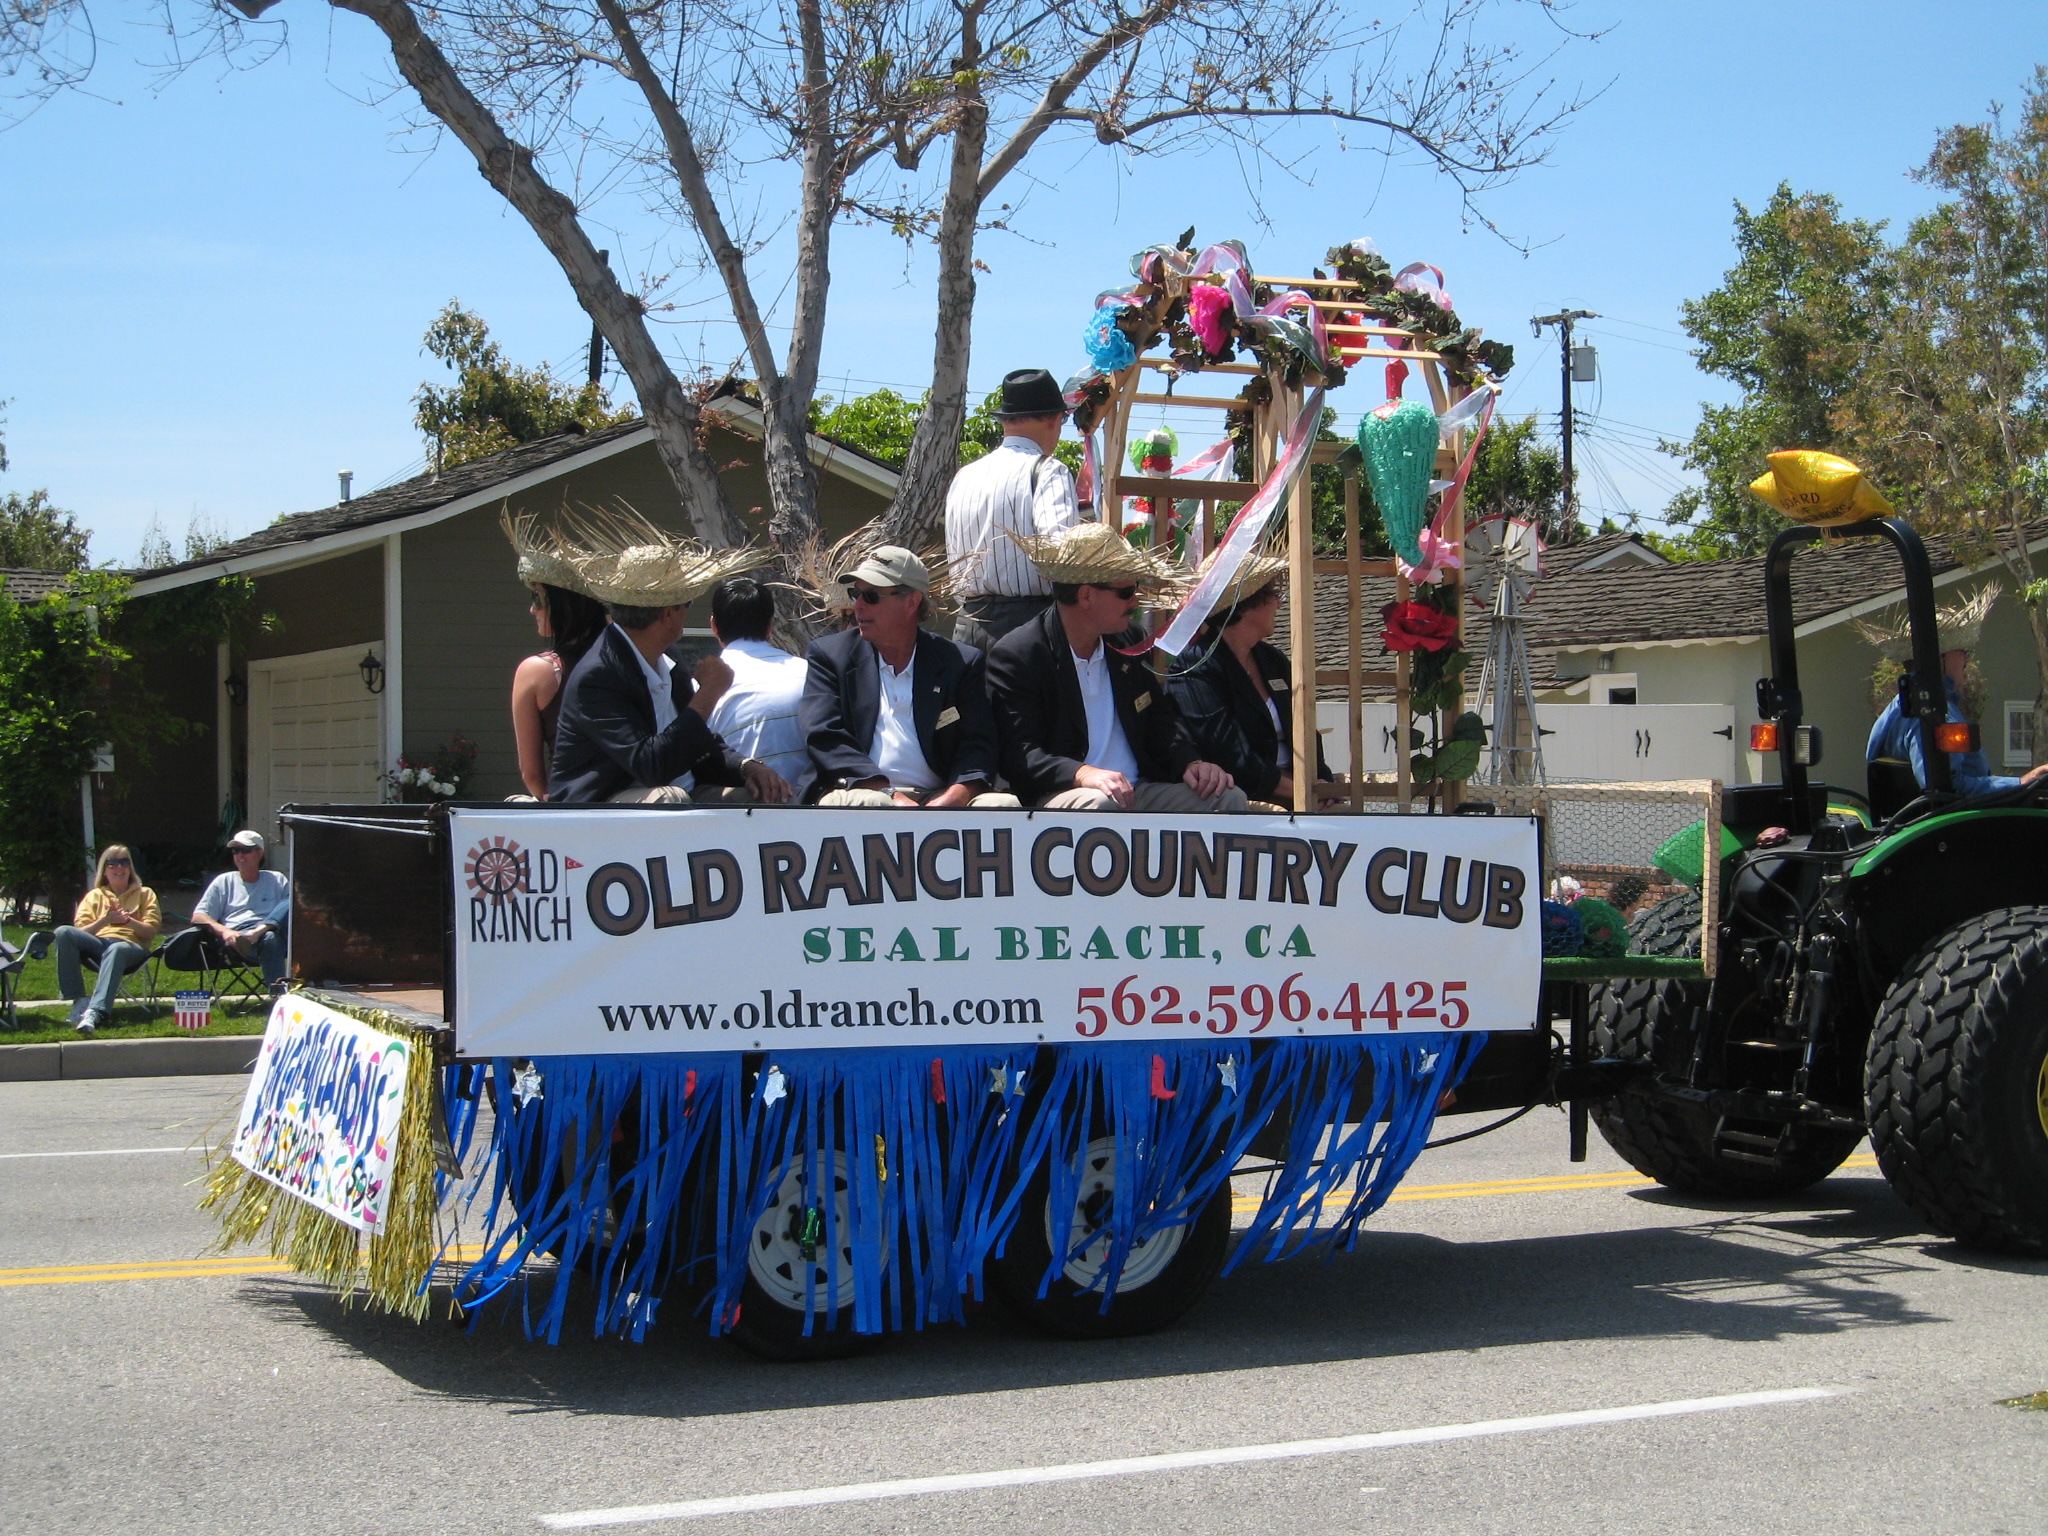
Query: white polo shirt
point(1107, 747)
point(757, 715)
point(660, 684)
point(896, 750)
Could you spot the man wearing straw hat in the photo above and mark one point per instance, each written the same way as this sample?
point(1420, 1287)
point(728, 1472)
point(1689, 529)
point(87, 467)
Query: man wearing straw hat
point(894, 715)
point(1085, 727)
point(629, 728)
point(1019, 490)
point(1896, 735)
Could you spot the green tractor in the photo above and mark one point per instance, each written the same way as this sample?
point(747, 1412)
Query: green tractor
point(1881, 970)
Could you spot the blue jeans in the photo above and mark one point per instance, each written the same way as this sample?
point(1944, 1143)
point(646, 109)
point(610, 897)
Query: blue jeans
point(114, 957)
point(268, 950)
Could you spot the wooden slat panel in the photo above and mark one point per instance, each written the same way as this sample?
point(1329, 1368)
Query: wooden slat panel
point(1365, 568)
point(1213, 402)
point(1164, 365)
point(1338, 677)
point(1185, 490)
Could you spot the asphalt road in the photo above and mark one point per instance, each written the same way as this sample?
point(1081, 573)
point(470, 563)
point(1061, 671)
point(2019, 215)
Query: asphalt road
point(150, 1394)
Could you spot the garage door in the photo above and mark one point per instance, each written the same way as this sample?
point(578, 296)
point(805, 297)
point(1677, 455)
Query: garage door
point(314, 733)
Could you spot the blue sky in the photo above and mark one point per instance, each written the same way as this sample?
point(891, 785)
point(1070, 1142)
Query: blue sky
point(212, 290)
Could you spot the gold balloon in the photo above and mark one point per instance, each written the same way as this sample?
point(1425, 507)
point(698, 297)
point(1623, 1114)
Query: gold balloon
point(1809, 486)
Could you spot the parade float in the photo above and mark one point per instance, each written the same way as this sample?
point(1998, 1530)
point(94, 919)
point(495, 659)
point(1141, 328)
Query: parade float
point(805, 1076)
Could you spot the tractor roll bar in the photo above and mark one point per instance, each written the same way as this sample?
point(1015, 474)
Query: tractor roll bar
point(1920, 688)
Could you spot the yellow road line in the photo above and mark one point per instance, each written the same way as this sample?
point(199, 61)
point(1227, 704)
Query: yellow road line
point(1553, 1183)
point(164, 1269)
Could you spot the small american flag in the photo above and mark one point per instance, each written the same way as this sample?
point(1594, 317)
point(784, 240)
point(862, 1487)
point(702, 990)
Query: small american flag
point(195, 1009)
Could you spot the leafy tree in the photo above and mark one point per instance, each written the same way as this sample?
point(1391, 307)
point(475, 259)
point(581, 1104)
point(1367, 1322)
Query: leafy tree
point(495, 404)
point(54, 656)
point(37, 536)
point(202, 537)
point(1949, 410)
point(1517, 474)
point(883, 424)
point(1790, 324)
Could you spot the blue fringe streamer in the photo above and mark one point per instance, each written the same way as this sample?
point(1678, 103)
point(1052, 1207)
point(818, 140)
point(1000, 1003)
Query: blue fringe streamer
point(649, 1174)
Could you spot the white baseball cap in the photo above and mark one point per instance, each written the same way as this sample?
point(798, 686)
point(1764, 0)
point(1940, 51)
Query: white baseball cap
point(247, 838)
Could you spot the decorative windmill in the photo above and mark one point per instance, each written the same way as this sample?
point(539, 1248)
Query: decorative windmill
point(1513, 557)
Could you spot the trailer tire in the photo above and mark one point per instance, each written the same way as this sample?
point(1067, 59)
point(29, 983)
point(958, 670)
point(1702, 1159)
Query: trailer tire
point(1650, 1020)
point(774, 1298)
point(1180, 1266)
point(1956, 1082)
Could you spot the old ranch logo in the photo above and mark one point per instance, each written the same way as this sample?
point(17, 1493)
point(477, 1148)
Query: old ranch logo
point(515, 893)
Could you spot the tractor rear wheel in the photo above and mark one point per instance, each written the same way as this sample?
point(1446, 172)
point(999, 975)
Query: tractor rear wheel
point(1679, 1145)
point(1956, 1082)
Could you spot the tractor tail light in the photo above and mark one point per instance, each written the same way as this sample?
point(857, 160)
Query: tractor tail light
point(1764, 737)
point(1956, 736)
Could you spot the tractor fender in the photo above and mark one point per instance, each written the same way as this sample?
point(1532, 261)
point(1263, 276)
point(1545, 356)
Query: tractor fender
point(1924, 880)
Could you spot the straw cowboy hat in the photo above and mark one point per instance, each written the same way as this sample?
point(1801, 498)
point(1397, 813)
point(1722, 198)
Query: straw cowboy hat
point(625, 560)
point(545, 557)
point(1960, 624)
point(1093, 554)
point(1256, 574)
point(822, 571)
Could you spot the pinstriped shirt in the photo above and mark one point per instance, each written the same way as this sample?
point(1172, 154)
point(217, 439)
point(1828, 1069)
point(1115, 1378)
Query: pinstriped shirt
point(995, 493)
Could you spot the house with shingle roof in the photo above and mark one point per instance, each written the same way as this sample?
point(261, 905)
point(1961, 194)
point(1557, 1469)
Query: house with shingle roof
point(398, 620)
point(1647, 668)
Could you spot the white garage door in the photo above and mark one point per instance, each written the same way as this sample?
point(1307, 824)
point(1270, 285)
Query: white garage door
point(314, 734)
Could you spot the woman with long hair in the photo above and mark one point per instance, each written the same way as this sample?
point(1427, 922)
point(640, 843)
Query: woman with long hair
point(1235, 691)
point(562, 613)
point(573, 622)
point(116, 922)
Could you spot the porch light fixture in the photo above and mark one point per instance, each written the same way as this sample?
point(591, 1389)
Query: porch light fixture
point(373, 671)
point(237, 687)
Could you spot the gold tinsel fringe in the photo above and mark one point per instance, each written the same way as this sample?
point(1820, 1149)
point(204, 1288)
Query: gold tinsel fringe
point(389, 1267)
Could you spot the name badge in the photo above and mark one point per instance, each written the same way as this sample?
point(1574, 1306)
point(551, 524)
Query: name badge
point(947, 716)
point(1276, 685)
point(1141, 703)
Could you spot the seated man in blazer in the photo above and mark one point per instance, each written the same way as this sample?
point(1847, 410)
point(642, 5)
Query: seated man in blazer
point(629, 728)
point(1084, 727)
point(894, 715)
point(1236, 692)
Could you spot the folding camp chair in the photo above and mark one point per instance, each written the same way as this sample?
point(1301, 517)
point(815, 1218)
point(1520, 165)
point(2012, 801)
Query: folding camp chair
point(39, 946)
point(11, 962)
point(221, 970)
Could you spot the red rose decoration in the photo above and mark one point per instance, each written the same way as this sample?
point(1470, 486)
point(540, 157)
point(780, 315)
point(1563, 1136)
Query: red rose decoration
point(1418, 627)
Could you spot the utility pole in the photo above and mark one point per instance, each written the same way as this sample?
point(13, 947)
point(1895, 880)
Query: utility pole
point(597, 337)
point(1563, 320)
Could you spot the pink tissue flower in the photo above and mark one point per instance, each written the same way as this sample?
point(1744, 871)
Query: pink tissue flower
point(1439, 554)
point(1207, 306)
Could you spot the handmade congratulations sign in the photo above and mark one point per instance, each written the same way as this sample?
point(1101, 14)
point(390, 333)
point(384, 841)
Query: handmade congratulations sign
point(320, 1119)
point(604, 932)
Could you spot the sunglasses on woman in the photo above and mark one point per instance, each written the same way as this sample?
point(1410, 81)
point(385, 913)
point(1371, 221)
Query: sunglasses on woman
point(120, 864)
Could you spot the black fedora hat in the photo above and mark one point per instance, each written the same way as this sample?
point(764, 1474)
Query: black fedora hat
point(1032, 392)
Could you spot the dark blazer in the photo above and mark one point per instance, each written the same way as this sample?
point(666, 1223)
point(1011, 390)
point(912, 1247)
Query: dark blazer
point(605, 740)
point(1044, 725)
point(842, 702)
point(1229, 719)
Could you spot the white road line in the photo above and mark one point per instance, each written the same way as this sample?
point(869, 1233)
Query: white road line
point(1014, 1477)
point(102, 1152)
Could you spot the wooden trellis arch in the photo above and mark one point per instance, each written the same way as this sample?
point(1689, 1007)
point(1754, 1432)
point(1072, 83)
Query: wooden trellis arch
point(1274, 395)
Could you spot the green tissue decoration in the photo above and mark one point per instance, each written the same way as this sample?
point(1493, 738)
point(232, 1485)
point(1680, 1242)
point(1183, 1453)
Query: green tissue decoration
point(1398, 441)
point(1605, 928)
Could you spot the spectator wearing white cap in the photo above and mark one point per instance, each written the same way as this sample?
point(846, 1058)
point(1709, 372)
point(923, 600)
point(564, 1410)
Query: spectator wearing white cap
point(892, 713)
point(248, 907)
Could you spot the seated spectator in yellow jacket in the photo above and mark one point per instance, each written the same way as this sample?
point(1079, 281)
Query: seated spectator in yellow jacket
point(117, 921)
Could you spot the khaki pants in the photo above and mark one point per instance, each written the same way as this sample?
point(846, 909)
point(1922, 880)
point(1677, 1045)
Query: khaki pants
point(875, 800)
point(674, 794)
point(1157, 798)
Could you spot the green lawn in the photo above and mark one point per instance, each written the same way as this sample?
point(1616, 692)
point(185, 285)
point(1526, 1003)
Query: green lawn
point(132, 1018)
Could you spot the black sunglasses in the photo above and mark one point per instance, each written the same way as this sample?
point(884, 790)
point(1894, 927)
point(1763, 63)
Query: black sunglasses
point(871, 597)
point(124, 863)
point(1123, 594)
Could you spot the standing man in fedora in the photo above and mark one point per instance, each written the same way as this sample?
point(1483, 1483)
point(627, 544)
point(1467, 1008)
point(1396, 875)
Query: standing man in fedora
point(1017, 491)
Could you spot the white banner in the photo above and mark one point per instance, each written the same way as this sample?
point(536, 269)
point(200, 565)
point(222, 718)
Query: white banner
point(320, 1118)
point(588, 931)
